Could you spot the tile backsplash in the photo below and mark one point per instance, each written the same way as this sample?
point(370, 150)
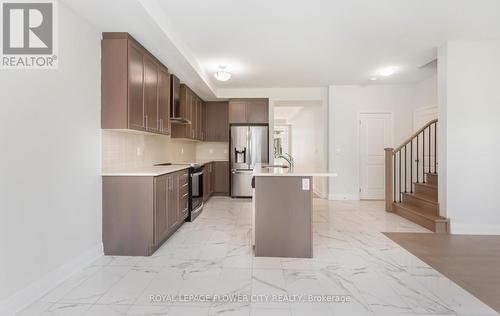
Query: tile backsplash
point(128, 149)
point(212, 150)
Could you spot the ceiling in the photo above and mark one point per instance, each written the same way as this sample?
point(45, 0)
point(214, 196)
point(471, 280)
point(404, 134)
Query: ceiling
point(292, 43)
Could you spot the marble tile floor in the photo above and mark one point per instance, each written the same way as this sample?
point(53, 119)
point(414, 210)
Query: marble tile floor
point(353, 261)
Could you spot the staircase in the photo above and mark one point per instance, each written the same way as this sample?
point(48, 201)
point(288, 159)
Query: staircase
point(412, 180)
point(421, 206)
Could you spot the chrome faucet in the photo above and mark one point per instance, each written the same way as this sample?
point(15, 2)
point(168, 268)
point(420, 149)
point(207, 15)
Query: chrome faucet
point(288, 159)
point(291, 159)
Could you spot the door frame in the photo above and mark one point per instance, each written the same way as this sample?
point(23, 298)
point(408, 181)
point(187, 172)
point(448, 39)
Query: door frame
point(358, 136)
point(288, 129)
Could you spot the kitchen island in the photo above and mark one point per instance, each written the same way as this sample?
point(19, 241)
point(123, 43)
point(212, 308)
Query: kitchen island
point(282, 211)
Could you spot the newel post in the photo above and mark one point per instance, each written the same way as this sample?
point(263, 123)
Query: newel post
point(388, 179)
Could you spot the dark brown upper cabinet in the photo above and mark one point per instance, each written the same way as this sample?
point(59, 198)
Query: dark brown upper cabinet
point(135, 86)
point(151, 95)
point(191, 108)
point(199, 119)
point(216, 121)
point(164, 101)
point(249, 111)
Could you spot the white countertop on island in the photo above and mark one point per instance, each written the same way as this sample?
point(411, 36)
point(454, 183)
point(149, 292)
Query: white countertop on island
point(261, 171)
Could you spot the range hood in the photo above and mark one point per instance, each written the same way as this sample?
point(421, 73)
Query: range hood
point(175, 102)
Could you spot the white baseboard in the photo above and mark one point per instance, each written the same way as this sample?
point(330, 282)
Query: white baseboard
point(320, 194)
point(25, 297)
point(343, 197)
point(471, 229)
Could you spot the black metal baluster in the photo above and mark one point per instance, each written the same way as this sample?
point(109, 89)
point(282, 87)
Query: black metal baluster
point(411, 166)
point(429, 167)
point(435, 148)
point(400, 187)
point(406, 160)
point(394, 183)
point(423, 156)
point(417, 159)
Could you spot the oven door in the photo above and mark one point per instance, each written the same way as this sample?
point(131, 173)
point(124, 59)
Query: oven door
point(196, 193)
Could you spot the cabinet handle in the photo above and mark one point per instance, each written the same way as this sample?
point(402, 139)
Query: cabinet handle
point(147, 125)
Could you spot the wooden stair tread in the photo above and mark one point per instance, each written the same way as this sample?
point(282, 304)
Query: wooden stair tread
point(427, 216)
point(421, 197)
point(430, 186)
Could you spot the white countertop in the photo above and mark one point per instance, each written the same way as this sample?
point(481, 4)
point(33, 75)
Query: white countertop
point(205, 161)
point(152, 171)
point(260, 171)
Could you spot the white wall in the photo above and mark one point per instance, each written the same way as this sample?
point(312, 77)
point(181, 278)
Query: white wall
point(307, 136)
point(442, 126)
point(472, 132)
point(50, 184)
point(277, 95)
point(426, 93)
point(345, 103)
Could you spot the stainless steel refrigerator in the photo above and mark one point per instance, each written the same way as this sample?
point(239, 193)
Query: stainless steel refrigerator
point(249, 146)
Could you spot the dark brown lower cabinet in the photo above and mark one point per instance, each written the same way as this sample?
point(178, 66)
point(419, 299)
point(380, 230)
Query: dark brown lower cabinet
point(221, 178)
point(183, 197)
point(208, 181)
point(140, 213)
point(161, 206)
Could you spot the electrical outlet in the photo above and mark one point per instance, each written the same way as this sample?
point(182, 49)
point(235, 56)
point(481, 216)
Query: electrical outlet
point(305, 184)
point(139, 151)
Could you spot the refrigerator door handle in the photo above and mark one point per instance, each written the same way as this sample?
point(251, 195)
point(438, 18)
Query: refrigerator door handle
point(235, 171)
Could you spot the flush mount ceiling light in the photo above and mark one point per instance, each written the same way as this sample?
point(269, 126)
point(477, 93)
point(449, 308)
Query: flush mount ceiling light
point(222, 74)
point(387, 71)
point(373, 78)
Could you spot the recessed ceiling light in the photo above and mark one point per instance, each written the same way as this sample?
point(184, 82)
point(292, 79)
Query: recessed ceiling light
point(373, 78)
point(387, 71)
point(222, 74)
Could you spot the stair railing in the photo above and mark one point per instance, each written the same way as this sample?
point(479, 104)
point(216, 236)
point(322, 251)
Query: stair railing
point(408, 163)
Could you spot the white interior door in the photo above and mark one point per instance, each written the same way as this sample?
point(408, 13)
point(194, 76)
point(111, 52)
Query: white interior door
point(375, 134)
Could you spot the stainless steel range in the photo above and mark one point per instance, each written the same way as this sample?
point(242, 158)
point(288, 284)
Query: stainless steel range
point(195, 191)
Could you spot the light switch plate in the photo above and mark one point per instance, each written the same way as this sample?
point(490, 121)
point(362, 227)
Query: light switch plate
point(305, 184)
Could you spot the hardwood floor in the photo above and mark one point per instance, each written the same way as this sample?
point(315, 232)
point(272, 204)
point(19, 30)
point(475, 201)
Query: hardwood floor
point(473, 262)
